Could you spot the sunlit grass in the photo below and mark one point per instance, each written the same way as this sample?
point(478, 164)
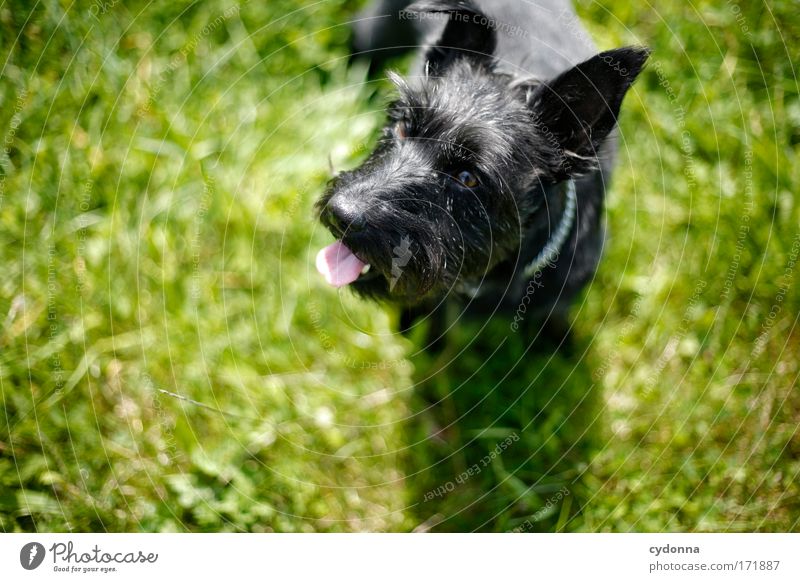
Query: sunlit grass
point(169, 359)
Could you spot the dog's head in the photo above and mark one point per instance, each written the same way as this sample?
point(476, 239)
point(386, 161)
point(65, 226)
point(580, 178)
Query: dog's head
point(460, 164)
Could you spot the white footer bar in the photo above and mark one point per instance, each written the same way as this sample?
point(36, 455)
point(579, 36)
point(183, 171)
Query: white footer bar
point(402, 557)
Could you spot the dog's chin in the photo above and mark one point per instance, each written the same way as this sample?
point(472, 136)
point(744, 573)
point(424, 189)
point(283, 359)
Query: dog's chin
point(376, 286)
point(373, 286)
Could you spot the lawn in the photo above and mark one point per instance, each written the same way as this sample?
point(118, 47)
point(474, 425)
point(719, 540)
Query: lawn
point(171, 361)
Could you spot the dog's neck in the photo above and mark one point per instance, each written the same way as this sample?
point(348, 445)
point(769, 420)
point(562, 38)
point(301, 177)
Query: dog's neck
point(558, 233)
point(551, 250)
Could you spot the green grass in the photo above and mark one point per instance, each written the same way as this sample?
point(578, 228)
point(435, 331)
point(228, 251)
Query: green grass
point(170, 361)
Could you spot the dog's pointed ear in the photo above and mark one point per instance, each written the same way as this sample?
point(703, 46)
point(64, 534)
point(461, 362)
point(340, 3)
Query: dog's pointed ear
point(576, 111)
point(468, 33)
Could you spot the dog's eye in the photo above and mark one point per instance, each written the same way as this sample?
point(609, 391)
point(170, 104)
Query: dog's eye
point(467, 178)
point(400, 130)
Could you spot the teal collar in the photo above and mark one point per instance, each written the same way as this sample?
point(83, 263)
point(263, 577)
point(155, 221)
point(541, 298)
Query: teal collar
point(552, 248)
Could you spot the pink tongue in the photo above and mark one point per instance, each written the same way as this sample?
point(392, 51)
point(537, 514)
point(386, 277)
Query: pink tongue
point(339, 265)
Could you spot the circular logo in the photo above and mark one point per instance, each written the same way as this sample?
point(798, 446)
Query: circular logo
point(31, 555)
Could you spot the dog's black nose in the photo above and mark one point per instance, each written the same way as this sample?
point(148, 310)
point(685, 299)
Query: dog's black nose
point(344, 215)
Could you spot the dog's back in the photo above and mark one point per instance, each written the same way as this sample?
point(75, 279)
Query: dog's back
point(541, 38)
point(535, 39)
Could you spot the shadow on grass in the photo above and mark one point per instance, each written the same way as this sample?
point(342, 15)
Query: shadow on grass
point(503, 428)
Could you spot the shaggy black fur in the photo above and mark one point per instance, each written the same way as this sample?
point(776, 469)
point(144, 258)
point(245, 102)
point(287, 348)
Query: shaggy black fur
point(466, 185)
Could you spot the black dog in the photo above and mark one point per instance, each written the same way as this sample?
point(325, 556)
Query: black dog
point(488, 183)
